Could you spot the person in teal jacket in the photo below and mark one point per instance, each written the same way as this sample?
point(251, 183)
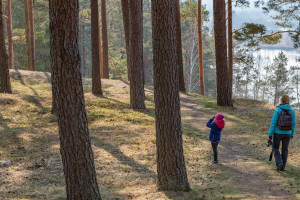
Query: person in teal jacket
point(283, 136)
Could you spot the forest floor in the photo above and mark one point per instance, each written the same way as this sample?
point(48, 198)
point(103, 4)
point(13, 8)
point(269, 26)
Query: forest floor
point(124, 146)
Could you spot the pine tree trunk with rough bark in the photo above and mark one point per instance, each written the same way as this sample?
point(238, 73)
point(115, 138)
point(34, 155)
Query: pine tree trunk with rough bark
point(170, 158)
point(31, 32)
point(137, 94)
point(30, 41)
point(5, 86)
point(200, 49)
point(104, 40)
point(96, 48)
point(223, 89)
point(125, 12)
point(230, 45)
point(27, 34)
point(9, 35)
point(179, 48)
point(75, 144)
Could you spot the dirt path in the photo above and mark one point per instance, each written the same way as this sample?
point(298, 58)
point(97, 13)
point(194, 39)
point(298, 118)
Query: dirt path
point(253, 178)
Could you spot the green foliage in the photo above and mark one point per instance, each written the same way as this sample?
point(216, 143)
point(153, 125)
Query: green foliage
point(242, 3)
point(255, 34)
point(287, 15)
point(243, 71)
point(42, 36)
point(189, 27)
point(277, 78)
point(189, 11)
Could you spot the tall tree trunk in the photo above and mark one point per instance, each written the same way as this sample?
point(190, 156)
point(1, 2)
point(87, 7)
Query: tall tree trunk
point(75, 145)
point(104, 40)
point(223, 89)
point(27, 34)
point(4, 71)
point(230, 45)
point(54, 103)
point(146, 58)
point(100, 51)
point(9, 35)
point(170, 158)
point(146, 68)
point(96, 48)
point(125, 12)
point(179, 48)
point(4, 12)
point(200, 49)
point(275, 95)
point(137, 94)
point(29, 26)
point(31, 31)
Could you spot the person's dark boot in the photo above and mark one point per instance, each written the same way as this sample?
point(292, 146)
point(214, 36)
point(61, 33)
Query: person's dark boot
point(279, 166)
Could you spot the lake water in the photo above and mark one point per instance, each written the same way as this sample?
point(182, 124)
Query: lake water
point(267, 55)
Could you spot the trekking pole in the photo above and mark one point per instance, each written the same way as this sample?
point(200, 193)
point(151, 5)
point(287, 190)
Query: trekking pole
point(270, 143)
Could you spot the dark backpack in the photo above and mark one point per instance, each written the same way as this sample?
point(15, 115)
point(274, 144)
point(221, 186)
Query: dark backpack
point(285, 120)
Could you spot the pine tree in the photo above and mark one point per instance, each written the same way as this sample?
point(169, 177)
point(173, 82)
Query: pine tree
point(230, 44)
point(125, 12)
point(137, 94)
point(4, 72)
point(9, 35)
point(179, 48)
point(278, 77)
point(285, 13)
point(170, 159)
point(223, 89)
point(96, 48)
point(75, 144)
point(104, 40)
point(30, 38)
point(200, 49)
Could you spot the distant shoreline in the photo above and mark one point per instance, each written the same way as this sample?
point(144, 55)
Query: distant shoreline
point(280, 48)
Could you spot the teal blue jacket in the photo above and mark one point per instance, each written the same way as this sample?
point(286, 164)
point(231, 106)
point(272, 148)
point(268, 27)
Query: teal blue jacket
point(274, 127)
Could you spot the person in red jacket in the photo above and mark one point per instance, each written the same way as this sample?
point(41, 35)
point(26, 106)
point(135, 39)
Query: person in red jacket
point(215, 133)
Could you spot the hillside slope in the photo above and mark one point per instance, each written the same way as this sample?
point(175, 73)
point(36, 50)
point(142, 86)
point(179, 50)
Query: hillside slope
point(124, 146)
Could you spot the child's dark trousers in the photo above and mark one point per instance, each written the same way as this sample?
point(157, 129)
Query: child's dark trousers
point(215, 150)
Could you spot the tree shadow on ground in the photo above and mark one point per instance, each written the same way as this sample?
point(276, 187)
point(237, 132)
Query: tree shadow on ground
point(20, 77)
point(141, 169)
point(48, 76)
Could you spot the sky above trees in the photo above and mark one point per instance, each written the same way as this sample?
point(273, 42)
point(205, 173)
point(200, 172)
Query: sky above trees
point(242, 15)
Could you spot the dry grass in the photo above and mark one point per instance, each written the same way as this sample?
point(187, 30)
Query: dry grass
point(124, 146)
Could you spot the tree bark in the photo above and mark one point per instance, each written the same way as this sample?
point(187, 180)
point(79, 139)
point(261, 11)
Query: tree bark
point(5, 86)
point(32, 37)
point(29, 26)
point(104, 40)
point(200, 49)
point(27, 34)
point(137, 94)
point(230, 45)
point(170, 158)
point(75, 145)
point(146, 55)
point(223, 89)
point(146, 68)
point(96, 48)
point(179, 48)
point(125, 12)
point(9, 35)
